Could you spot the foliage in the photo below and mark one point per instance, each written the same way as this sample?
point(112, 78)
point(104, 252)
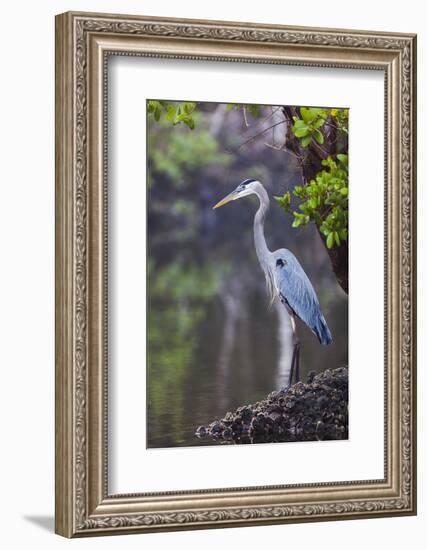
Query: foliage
point(324, 200)
point(340, 117)
point(308, 126)
point(173, 112)
point(179, 154)
point(183, 112)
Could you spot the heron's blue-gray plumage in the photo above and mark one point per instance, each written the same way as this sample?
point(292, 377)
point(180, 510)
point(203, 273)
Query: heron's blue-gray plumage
point(284, 276)
point(297, 293)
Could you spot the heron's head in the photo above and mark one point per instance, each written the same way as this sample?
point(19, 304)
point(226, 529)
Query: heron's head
point(247, 187)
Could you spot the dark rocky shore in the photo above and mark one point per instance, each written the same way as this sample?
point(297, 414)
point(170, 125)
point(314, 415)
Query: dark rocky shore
point(315, 410)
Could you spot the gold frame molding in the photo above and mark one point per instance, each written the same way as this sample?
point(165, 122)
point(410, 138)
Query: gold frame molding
point(83, 43)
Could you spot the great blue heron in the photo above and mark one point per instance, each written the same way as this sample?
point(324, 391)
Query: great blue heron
point(284, 275)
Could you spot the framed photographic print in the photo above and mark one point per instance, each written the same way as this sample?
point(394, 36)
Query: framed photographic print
point(235, 274)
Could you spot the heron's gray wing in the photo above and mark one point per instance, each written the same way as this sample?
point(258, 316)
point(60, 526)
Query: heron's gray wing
point(297, 292)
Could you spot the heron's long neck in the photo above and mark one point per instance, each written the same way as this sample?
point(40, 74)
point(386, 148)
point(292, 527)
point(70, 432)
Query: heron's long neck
point(260, 243)
point(261, 247)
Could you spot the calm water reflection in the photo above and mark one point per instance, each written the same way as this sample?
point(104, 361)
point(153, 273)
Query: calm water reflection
point(214, 343)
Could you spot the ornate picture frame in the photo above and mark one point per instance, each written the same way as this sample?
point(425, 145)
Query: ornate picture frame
point(83, 43)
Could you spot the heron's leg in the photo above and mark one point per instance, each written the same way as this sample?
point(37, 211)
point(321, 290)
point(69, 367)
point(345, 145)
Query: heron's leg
point(295, 353)
point(295, 364)
point(291, 373)
point(297, 350)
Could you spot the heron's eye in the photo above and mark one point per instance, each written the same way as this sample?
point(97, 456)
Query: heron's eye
point(281, 263)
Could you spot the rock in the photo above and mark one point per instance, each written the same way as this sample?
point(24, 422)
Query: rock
point(201, 431)
point(316, 410)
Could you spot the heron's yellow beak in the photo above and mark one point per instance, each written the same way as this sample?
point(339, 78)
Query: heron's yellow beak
point(225, 200)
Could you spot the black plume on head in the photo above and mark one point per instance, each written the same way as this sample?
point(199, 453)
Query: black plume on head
point(245, 182)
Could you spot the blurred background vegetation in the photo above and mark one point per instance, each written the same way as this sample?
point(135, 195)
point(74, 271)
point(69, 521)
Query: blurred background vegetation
point(213, 341)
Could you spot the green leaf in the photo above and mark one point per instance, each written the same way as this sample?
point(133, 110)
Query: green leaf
point(189, 108)
point(307, 114)
point(317, 111)
point(343, 159)
point(319, 123)
point(330, 240)
point(299, 191)
point(300, 128)
point(175, 113)
point(318, 136)
point(337, 238)
point(313, 202)
point(171, 112)
point(285, 201)
point(324, 229)
point(305, 141)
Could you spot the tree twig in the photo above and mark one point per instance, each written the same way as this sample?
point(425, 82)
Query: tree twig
point(252, 138)
point(245, 117)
